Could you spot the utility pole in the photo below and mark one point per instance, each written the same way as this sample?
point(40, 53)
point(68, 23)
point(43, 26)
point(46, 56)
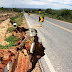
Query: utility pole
point(23, 10)
point(12, 9)
point(12, 5)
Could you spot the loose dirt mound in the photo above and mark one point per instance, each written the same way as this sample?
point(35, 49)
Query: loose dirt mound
point(3, 29)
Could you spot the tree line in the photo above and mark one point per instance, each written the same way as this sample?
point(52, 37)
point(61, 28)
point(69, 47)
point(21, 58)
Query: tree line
point(10, 9)
point(62, 14)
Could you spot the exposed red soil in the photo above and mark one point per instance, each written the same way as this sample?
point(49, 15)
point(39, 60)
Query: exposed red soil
point(5, 57)
point(23, 63)
point(20, 55)
point(11, 55)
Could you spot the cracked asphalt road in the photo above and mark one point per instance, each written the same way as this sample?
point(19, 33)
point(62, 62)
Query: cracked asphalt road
point(56, 37)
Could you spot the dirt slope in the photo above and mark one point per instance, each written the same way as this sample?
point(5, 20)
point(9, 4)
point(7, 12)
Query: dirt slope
point(3, 29)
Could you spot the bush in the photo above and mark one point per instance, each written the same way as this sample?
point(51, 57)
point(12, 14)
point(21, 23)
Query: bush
point(18, 19)
point(50, 11)
point(64, 13)
point(61, 18)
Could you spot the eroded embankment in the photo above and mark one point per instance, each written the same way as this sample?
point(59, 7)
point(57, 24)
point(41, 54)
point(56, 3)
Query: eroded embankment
point(5, 16)
point(22, 60)
point(3, 29)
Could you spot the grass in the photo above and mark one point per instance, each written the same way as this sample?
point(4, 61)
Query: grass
point(18, 19)
point(10, 29)
point(11, 41)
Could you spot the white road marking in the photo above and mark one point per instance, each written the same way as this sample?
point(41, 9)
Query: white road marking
point(28, 22)
point(49, 64)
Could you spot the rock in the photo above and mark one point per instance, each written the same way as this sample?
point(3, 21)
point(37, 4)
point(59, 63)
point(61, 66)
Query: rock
point(22, 65)
point(28, 45)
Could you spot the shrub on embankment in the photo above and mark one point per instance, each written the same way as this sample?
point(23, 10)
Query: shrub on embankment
point(18, 19)
point(10, 10)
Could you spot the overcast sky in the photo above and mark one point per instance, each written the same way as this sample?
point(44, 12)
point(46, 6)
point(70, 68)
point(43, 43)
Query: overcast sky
point(44, 4)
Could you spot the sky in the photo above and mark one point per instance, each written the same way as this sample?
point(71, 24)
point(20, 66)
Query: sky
point(44, 4)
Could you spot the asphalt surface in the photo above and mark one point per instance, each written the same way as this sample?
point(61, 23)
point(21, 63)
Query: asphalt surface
point(56, 37)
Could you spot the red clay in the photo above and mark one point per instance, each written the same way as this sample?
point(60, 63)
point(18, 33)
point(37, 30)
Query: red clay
point(22, 65)
point(5, 57)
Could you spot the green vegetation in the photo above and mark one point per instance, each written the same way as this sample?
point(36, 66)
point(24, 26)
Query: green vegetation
point(31, 40)
point(10, 9)
point(11, 41)
point(18, 19)
point(10, 29)
point(63, 14)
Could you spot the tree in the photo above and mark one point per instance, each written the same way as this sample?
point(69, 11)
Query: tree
point(65, 13)
point(50, 11)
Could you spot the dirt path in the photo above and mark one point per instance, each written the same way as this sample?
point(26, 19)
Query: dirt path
point(3, 29)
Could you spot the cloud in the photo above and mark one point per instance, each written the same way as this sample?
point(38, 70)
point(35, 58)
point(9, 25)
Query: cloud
point(37, 3)
point(36, 0)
